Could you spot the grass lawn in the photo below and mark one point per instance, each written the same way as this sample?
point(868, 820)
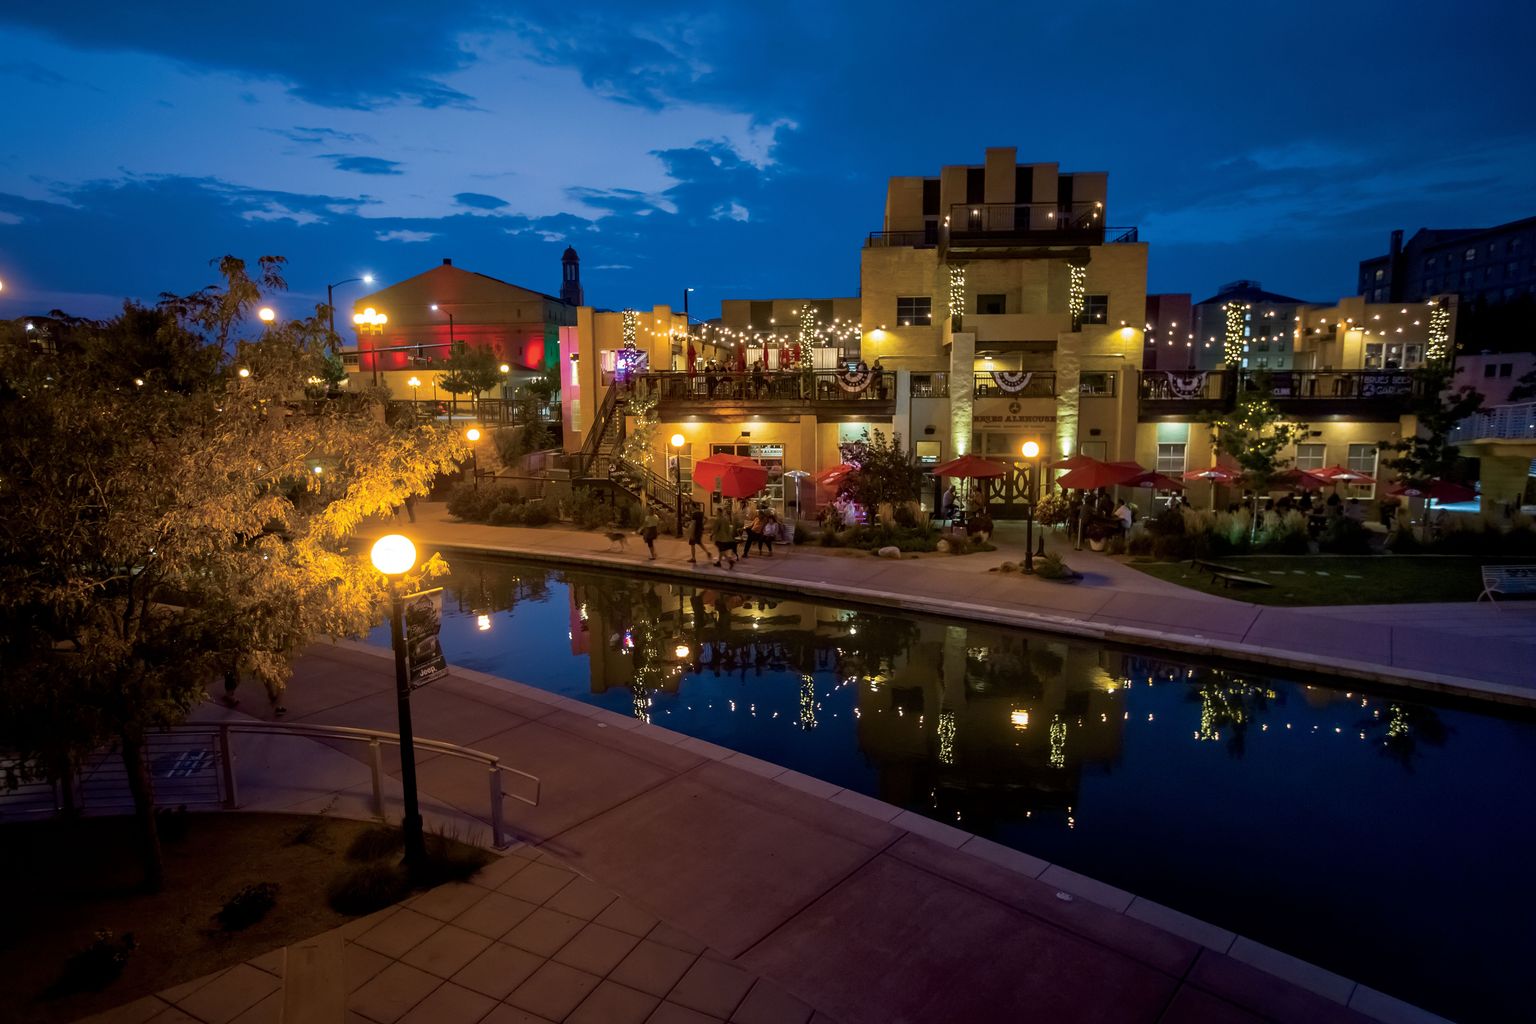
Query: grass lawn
point(68, 880)
point(1341, 579)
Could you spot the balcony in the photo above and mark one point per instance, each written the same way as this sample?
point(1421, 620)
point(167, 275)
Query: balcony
point(991, 225)
point(991, 328)
point(825, 392)
point(1516, 422)
point(1016, 384)
point(1364, 393)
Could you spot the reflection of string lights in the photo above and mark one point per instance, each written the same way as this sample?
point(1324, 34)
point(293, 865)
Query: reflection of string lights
point(1019, 718)
point(1058, 743)
point(807, 701)
point(483, 622)
point(946, 734)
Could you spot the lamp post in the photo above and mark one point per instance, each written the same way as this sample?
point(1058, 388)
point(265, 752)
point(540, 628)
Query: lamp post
point(677, 476)
point(450, 327)
point(686, 292)
point(1031, 454)
point(330, 300)
point(472, 435)
point(394, 556)
point(371, 321)
point(414, 383)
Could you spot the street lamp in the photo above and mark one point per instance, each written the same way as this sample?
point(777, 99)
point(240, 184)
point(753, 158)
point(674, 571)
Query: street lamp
point(472, 435)
point(1031, 455)
point(677, 475)
point(414, 383)
point(371, 321)
point(393, 556)
point(330, 301)
point(686, 291)
point(450, 327)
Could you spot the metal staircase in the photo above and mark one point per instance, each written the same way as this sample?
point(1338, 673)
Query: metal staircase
point(601, 459)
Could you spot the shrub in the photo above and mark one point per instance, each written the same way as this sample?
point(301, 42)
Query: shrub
point(586, 512)
point(1117, 545)
point(97, 965)
point(375, 842)
point(1168, 549)
point(1051, 510)
point(1284, 533)
point(475, 504)
point(536, 513)
point(247, 906)
point(364, 888)
point(451, 859)
point(1344, 536)
point(802, 535)
point(1051, 567)
point(902, 515)
point(505, 515)
point(1168, 522)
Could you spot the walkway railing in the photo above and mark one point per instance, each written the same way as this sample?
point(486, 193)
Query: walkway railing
point(195, 765)
point(1513, 422)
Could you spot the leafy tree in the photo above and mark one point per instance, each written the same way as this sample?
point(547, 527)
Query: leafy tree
point(1524, 389)
point(1428, 454)
point(471, 371)
point(1254, 433)
point(161, 533)
point(886, 472)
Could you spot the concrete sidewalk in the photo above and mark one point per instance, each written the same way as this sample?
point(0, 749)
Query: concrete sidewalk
point(1479, 650)
point(764, 880)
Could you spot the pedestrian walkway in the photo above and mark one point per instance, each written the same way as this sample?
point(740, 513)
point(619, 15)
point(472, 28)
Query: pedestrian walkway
point(666, 879)
point(1475, 649)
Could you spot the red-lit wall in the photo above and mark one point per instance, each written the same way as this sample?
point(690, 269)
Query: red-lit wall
point(521, 345)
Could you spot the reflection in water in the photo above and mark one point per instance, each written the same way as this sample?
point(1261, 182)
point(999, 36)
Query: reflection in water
point(1259, 804)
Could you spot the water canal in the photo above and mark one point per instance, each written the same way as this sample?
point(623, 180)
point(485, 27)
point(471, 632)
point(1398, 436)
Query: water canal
point(1383, 835)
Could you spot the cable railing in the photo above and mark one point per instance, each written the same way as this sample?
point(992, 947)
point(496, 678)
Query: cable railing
point(195, 765)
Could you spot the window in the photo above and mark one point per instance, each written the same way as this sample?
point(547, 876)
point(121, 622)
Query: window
point(1373, 354)
point(991, 305)
point(1506, 369)
point(1311, 456)
point(914, 310)
point(1095, 309)
point(928, 452)
point(1429, 264)
point(1263, 363)
point(1489, 370)
point(1380, 274)
point(1362, 459)
point(1514, 245)
point(1469, 255)
point(1096, 382)
point(1170, 459)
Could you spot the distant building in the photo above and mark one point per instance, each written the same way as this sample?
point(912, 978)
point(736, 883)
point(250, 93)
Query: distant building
point(1170, 337)
point(570, 278)
point(1268, 326)
point(1492, 271)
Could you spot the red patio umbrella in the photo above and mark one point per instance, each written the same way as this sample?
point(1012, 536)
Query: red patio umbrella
point(734, 476)
point(1443, 491)
point(693, 357)
point(971, 467)
point(1343, 475)
point(1156, 481)
point(835, 474)
point(1105, 474)
point(1214, 474)
point(1078, 461)
point(1300, 479)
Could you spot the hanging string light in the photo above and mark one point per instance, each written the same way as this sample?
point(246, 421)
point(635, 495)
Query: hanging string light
point(1439, 332)
point(809, 330)
point(1077, 292)
point(1232, 346)
point(956, 292)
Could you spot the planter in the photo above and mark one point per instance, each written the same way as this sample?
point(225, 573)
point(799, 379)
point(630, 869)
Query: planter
point(1096, 543)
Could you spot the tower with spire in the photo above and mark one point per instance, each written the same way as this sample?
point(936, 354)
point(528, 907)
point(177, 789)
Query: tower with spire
point(570, 279)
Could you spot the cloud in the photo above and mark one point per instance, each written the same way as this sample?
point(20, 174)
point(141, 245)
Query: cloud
point(480, 201)
point(405, 235)
point(613, 266)
point(731, 211)
point(317, 136)
point(363, 164)
point(37, 74)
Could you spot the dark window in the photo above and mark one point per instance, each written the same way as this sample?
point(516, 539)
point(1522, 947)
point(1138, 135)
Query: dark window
point(991, 305)
point(1023, 184)
point(1514, 245)
point(1064, 190)
point(1506, 369)
point(1429, 264)
point(1489, 370)
point(914, 310)
point(1095, 309)
point(975, 185)
point(1512, 270)
point(930, 197)
point(761, 315)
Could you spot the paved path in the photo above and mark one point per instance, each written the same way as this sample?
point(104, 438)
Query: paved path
point(1476, 649)
point(676, 881)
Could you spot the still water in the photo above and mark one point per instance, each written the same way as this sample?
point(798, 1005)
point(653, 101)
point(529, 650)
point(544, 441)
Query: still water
point(1384, 835)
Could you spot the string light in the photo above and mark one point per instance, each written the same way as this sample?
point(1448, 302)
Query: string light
point(1439, 333)
point(956, 291)
point(1077, 292)
point(1233, 345)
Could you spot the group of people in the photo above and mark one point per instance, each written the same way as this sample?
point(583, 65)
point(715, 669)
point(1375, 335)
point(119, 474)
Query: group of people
point(760, 527)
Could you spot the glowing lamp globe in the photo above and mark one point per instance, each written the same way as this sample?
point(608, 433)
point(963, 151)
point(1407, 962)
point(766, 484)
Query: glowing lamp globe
point(414, 382)
point(357, 318)
point(393, 555)
point(1031, 450)
point(682, 651)
point(267, 314)
point(244, 372)
point(677, 440)
point(472, 434)
point(505, 368)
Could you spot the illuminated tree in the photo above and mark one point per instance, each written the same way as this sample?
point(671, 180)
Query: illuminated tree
point(173, 514)
point(1254, 434)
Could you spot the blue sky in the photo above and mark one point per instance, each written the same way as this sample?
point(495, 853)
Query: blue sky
point(740, 149)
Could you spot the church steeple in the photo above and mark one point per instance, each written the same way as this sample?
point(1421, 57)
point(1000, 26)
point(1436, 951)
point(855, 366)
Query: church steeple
point(570, 280)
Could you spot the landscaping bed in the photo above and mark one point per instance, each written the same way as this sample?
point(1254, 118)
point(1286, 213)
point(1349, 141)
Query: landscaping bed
point(236, 886)
point(1340, 579)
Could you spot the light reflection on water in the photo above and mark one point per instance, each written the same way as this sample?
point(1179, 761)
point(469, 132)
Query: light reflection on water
point(1363, 831)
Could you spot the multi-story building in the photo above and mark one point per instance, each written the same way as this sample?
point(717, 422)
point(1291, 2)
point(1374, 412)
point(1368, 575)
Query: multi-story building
point(406, 331)
point(1170, 333)
point(1267, 325)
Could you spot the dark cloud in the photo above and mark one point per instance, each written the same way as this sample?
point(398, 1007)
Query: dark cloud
point(37, 74)
point(333, 54)
point(318, 136)
point(363, 164)
point(480, 201)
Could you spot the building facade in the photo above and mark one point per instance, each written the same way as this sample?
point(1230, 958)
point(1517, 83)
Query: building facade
point(1265, 322)
point(1170, 333)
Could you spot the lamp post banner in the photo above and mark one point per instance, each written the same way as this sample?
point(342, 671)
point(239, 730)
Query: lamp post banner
point(424, 660)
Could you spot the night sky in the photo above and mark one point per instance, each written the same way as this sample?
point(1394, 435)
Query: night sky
point(743, 150)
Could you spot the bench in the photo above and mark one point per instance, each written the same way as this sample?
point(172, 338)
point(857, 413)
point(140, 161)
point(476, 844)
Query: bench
point(1508, 581)
point(1201, 565)
point(1228, 579)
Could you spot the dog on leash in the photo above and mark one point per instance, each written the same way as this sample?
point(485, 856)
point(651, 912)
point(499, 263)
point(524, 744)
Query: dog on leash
point(617, 540)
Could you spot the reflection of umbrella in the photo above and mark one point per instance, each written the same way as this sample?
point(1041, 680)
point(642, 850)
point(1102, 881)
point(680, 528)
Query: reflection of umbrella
point(1299, 479)
point(1105, 474)
point(1343, 475)
point(734, 476)
point(1215, 475)
point(971, 467)
point(1156, 481)
point(1442, 491)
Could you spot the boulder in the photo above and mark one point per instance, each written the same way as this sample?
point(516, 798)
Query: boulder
point(943, 547)
point(889, 551)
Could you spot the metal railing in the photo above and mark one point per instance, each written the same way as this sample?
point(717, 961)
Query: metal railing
point(1285, 385)
point(900, 239)
point(195, 764)
point(1512, 422)
point(1016, 384)
point(930, 385)
point(768, 386)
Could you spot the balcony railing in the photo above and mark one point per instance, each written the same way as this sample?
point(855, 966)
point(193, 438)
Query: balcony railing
point(900, 239)
point(1300, 389)
point(930, 385)
point(1010, 223)
point(736, 387)
point(1016, 384)
point(1515, 422)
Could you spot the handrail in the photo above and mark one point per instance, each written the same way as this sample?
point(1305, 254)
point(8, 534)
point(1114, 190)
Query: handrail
point(593, 442)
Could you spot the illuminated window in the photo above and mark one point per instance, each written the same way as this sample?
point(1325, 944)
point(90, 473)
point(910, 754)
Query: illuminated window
point(1362, 459)
point(1170, 459)
point(1311, 456)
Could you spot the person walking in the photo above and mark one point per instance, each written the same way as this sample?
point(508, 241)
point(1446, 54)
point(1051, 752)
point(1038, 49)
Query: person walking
point(696, 533)
point(725, 537)
point(767, 530)
point(754, 533)
point(649, 528)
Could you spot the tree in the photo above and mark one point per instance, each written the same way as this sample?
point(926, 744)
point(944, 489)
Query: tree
point(470, 371)
point(1254, 434)
point(886, 472)
point(1524, 389)
point(1428, 454)
point(169, 518)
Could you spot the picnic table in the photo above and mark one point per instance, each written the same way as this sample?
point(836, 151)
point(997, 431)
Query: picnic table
point(1229, 575)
